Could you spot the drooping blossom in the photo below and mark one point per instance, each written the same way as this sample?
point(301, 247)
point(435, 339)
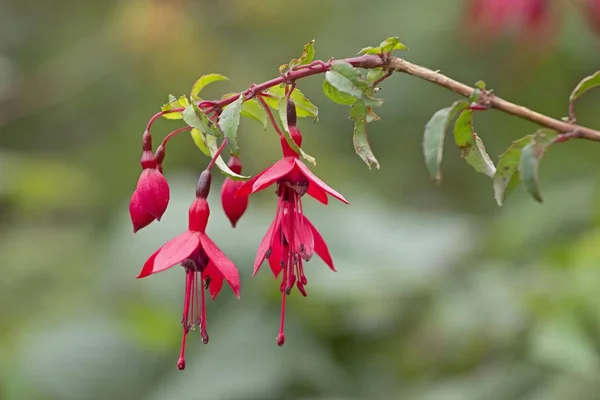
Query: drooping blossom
point(292, 239)
point(204, 264)
point(151, 196)
point(591, 9)
point(529, 20)
point(233, 206)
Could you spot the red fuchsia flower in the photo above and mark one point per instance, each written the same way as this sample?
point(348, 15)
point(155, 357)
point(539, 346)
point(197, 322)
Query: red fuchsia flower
point(487, 20)
point(204, 263)
point(151, 196)
point(291, 239)
point(233, 206)
point(591, 9)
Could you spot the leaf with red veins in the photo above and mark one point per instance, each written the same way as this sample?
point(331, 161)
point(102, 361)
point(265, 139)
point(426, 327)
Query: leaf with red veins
point(172, 253)
point(314, 180)
point(320, 245)
point(222, 263)
point(216, 280)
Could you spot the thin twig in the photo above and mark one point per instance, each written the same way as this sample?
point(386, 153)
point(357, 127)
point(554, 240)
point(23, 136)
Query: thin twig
point(401, 65)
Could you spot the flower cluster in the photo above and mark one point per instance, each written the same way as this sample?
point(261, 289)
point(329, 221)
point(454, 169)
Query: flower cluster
point(290, 242)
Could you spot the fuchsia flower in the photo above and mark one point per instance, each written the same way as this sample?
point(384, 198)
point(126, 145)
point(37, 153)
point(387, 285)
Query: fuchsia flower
point(592, 12)
point(291, 239)
point(204, 264)
point(490, 19)
point(233, 206)
point(151, 196)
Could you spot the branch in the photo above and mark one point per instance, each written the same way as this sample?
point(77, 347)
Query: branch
point(401, 65)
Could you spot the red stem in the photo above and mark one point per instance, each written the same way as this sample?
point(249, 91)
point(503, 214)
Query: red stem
point(269, 114)
point(217, 154)
point(175, 132)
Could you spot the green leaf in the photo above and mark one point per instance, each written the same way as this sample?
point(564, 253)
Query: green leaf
point(308, 53)
point(252, 109)
point(200, 141)
point(304, 107)
point(433, 139)
point(375, 74)
point(506, 178)
point(471, 146)
point(204, 81)
point(181, 102)
point(480, 85)
point(230, 121)
point(211, 143)
point(359, 114)
point(531, 156)
point(345, 78)
point(584, 85)
point(387, 46)
point(336, 96)
point(196, 118)
point(286, 132)
point(392, 43)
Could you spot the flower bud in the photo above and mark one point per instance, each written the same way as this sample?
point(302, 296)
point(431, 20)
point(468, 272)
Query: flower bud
point(233, 206)
point(592, 12)
point(151, 196)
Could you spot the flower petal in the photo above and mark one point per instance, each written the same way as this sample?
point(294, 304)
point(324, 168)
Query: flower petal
point(276, 259)
point(153, 192)
point(216, 280)
point(314, 180)
point(320, 245)
point(140, 217)
point(222, 263)
point(317, 193)
point(264, 246)
point(172, 253)
point(302, 240)
point(273, 173)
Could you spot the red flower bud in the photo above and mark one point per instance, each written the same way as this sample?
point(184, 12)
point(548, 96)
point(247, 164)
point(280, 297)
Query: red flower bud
point(151, 196)
point(233, 206)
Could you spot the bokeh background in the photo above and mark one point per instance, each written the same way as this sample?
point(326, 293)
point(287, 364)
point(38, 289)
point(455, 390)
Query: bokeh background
point(439, 294)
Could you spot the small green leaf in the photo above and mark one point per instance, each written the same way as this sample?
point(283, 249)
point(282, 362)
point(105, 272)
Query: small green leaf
point(308, 53)
point(230, 121)
point(196, 118)
point(471, 146)
point(506, 178)
point(336, 96)
point(252, 109)
point(359, 114)
point(200, 141)
point(433, 139)
point(286, 132)
point(181, 102)
point(480, 85)
point(204, 81)
point(304, 107)
point(531, 156)
point(370, 50)
point(211, 143)
point(584, 85)
point(353, 74)
point(343, 77)
point(375, 74)
point(387, 46)
point(392, 43)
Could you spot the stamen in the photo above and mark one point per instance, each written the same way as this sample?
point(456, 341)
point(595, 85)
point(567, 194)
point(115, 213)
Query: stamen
point(197, 302)
point(203, 332)
point(186, 312)
point(290, 284)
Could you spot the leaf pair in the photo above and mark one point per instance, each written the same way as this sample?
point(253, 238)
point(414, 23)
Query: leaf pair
point(470, 144)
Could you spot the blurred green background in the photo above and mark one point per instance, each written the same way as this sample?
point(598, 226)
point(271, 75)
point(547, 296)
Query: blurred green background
point(439, 294)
